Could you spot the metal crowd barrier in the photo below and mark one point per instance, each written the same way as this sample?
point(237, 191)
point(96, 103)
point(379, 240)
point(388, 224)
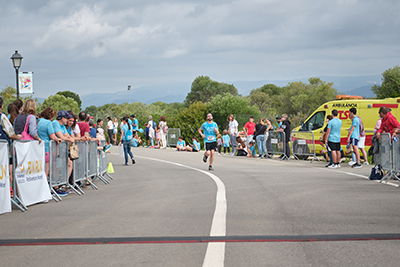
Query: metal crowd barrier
point(388, 154)
point(173, 136)
point(396, 159)
point(276, 143)
point(92, 167)
point(303, 145)
point(103, 162)
point(91, 162)
point(58, 173)
point(79, 169)
point(15, 200)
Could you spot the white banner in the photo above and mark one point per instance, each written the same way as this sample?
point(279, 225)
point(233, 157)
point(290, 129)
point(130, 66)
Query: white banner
point(30, 173)
point(26, 82)
point(5, 199)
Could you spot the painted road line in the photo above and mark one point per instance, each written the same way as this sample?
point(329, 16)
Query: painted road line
point(199, 239)
point(363, 176)
point(215, 254)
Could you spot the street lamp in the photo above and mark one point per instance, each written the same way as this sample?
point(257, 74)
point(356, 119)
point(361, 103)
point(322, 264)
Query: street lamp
point(129, 89)
point(17, 59)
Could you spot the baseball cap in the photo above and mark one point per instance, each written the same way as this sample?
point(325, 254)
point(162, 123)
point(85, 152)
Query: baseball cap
point(278, 118)
point(63, 114)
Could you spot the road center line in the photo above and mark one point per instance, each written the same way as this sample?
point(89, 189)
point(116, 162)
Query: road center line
point(215, 254)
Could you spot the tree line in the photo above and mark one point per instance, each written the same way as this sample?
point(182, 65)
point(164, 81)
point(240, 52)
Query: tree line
point(297, 99)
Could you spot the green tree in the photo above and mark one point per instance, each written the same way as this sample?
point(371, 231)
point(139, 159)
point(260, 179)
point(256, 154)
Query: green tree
point(60, 102)
point(189, 120)
point(9, 94)
point(300, 99)
point(204, 89)
point(92, 110)
point(73, 96)
point(264, 98)
point(390, 84)
point(223, 105)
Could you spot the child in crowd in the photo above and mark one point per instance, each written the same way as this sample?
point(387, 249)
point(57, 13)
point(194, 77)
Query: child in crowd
point(139, 140)
point(251, 150)
point(219, 143)
point(181, 144)
point(135, 141)
point(195, 147)
point(100, 131)
point(226, 141)
point(92, 131)
point(158, 137)
point(146, 133)
point(241, 149)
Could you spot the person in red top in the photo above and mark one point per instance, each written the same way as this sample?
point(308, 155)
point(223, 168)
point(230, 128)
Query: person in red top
point(83, 126)
point(389, 123)
point(249, 130)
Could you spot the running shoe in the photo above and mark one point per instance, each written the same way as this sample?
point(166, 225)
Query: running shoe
point(205, 158)
point(357, 166)
point(210, 168)
point(333, 166)
point(133, 161)
point(330, 164)
point(351, 163)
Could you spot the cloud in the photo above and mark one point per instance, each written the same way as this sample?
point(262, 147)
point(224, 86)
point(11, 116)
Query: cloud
point(157, 41)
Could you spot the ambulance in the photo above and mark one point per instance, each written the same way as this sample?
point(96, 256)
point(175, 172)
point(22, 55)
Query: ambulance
point(367, 109)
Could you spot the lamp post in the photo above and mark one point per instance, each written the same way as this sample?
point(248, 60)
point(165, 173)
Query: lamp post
point(17, 59)
point(129, 89)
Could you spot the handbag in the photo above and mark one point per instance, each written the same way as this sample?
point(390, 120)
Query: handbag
point(25, 134)
point(349, 149)
point(73, 151)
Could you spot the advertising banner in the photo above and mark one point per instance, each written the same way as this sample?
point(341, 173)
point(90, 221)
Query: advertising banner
point(5, 199)
point(30, 172)
point(25, 83)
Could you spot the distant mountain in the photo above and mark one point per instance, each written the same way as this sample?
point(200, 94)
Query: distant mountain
point(176, 92)
point(342, 84)
point(364, 91)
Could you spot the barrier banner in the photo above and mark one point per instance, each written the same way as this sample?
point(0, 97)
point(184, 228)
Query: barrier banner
point(30, 172)
point(5, 199)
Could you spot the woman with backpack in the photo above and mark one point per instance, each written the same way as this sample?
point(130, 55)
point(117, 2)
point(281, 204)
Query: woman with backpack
point(163, 132)
point(126, 138)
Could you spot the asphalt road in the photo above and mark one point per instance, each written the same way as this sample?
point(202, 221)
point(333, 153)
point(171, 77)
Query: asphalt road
point(162, 210)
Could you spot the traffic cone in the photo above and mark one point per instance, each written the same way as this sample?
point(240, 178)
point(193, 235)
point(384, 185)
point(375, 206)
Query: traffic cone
point(110, 168)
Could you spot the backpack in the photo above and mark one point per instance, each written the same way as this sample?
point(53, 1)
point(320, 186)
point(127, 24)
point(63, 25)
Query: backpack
point(376, 173)
point(3, 135)
point(165, 129)
point(129, 135)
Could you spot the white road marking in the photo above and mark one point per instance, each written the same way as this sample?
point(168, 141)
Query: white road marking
point(363, 176)
point(215, 254)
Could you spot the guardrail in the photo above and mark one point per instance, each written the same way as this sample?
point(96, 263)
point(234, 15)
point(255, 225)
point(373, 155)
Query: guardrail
point(303, 145)
point(173, 136)
point(29, 168)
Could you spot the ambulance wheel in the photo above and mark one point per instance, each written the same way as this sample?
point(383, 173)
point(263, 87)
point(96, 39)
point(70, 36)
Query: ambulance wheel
point(300, 150)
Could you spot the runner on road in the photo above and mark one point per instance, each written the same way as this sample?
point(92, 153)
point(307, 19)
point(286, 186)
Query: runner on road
point(210, 129)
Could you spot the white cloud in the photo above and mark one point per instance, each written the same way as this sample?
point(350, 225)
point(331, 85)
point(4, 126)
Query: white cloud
point(82, 27)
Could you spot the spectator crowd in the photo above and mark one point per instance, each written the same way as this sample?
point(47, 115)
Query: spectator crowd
point(24, 123)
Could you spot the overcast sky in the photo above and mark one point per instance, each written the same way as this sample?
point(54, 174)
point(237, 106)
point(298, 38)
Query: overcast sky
point(89, 46)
